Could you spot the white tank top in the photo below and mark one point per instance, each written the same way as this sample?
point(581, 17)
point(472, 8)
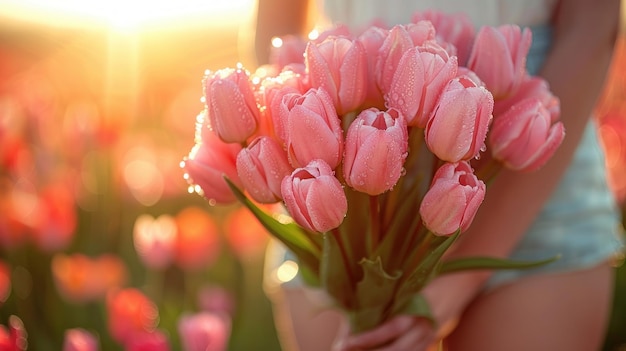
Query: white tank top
point(357, 14)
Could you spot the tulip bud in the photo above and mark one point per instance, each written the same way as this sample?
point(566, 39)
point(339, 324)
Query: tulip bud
point(231, 104)
point(420, 77)
point(286, 50)
point(372, 40)
point(314, 197)
point(204, 331)
point(400, 39)
point(458, 127)
point(532, 87)
point(313, 128)
point(456, 29)
point(339, 66)
point(376, 147)
point(79, 340)
point(208, 161)
point(524, 137)
point(452, 200)
point(155, 240)
point(499, 58)
point(261, 167)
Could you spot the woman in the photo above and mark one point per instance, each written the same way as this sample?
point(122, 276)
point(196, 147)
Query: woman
point(564, 208)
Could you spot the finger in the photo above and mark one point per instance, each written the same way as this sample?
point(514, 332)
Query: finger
point(419, 338)
point(381, 335)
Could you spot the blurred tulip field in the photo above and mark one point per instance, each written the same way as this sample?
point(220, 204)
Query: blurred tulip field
point(102, 244)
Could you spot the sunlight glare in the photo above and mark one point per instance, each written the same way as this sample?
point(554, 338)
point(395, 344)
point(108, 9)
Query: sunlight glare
point(126, 15)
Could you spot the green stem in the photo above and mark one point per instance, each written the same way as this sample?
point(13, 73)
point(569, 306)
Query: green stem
point(375, 235)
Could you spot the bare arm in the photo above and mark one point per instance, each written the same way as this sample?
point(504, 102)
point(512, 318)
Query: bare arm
point(276, 18)
point(585, 32)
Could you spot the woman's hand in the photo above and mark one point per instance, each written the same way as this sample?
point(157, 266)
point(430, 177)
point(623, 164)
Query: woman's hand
point(403, 332)
point(447, 296)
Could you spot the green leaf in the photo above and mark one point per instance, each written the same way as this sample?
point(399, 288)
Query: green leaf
point(377, 286)
point(473, 263)
point(335, 276)
point(290, 234)
point(374, 296)
point(428, 265)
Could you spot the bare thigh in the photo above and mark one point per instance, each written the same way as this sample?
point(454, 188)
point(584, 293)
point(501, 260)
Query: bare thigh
point(564, 311)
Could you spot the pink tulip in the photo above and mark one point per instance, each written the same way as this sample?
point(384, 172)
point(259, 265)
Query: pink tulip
point(456, 29)
point(531, 87)
point(337, 30)
point(78, 339)
point(499, 58)
point(452, 200)
point(372, 39)
point(420, 77)
point(208, 162)
point(524, 138)
point(314, 197)
point(401, 38)
point(376, 147)
point(231, 104)
point(458, 127)
point(155, 240)
point(204, 331)
point(261, 167)
point(154, 340)
point(313, 128)
point(339, 66)
point(271, 96)
point(289, 50)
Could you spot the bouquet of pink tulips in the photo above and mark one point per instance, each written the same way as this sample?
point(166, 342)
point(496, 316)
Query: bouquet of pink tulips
point(379, 145)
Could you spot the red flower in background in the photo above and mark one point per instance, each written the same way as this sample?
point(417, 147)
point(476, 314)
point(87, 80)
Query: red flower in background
point(130, 314)
point(245, 234)
point(13, 338)
point(5, 282)
point(197, 242)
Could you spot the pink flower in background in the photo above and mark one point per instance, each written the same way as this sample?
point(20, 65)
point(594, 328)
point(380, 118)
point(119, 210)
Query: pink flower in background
point(197, 242)
point(15, 337)
point(458, 127)
point(130, 313)
point(524, 137)
point(499, 58)
point(261, 167)
point(312, 115)
point(204, 331)
point(376, 147)
point(400, 39)
point(155, 340)
point(456, 29)
point(5, 282)
point(216, 299)
point(314, 197)
point(208, 162)
point(452, 200)
point(78, 339)
point(339, 66)
point(155, 240)
point(231, 105)
point(419, 79)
